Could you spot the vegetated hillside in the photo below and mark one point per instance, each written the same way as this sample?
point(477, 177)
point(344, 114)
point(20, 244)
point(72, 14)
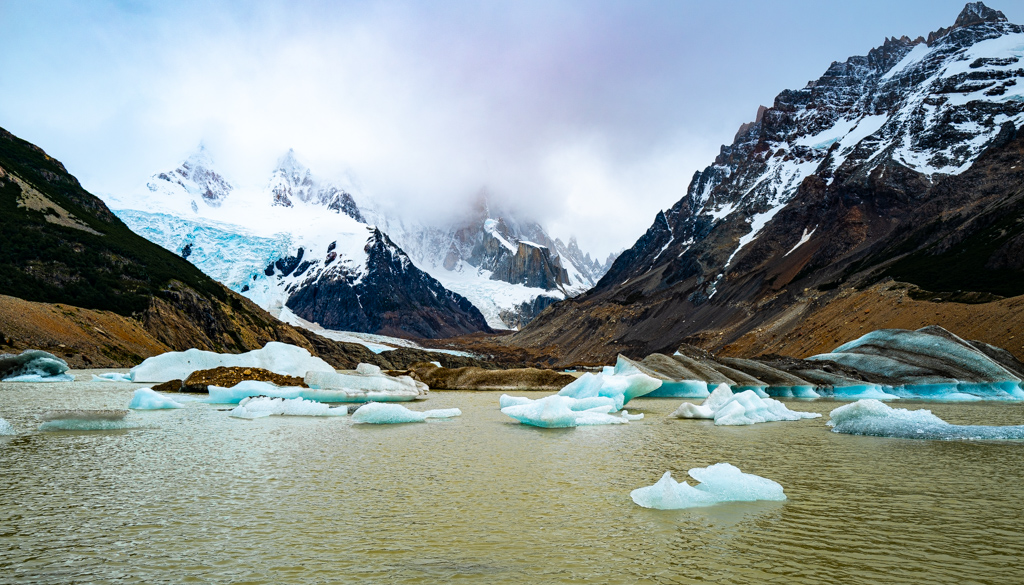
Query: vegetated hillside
point(905, 164)
point(61, 244)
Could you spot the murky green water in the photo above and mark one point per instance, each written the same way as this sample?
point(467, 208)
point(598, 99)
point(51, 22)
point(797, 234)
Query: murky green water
point(195, 496)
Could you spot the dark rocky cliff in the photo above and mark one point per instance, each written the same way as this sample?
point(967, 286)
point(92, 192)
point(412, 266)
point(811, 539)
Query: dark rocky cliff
point(902, 164)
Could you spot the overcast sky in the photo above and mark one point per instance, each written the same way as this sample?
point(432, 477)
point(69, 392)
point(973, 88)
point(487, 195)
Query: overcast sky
point(590, 116)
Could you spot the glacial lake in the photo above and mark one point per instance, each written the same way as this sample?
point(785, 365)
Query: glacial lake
point(195, 496)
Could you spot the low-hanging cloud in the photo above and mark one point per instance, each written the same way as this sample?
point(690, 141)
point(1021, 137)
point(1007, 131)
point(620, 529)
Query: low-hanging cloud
point(587, 116)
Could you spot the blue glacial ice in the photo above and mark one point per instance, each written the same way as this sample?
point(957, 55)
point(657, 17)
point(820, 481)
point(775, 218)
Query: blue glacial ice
point(280, 358)
point(112, 377)
point(33, 365)
point(249, 388)
point(681, 389)
point(558, 411)
point(380, 413)
point(872, 417)
point(743, 408)
point(148, 399)
point(6, 428)
point(262, 406)
point(85, 420)
point(622, 384)
point(721, 482)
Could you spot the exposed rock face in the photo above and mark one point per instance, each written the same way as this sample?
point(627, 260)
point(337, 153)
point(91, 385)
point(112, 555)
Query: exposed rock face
point(376, 297)
point(227, 377)
point(903, 163)
point(472, 378)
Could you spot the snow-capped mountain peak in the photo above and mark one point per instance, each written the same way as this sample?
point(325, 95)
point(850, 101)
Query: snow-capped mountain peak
point(196, 178)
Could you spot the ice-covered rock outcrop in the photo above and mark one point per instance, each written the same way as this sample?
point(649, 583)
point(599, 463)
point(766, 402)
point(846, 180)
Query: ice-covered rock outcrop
point(280, 358)
point(928, 363)
point(382, 414)
point(33, 365)
point(558, 411)
point(745, 408)
point(871, 417)
point(721, 482)
point(147, 399)
point(85, 420)
point(622, 384)
point(262, 406)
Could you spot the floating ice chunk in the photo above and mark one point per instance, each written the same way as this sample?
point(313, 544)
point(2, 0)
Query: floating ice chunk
point(250, 408)
point(249, 388)
point(792, 392)
point(85, 420)
point(743, 408)
point(382, 413)
point(33, 365)
point(280, 358)
point(625, 414)
point(557, 411)
point(6, 428)
point(721, 482)
point(147, 399)
point(506, 400)
point(872, 417)
point(621, 384)
point(367, 384)
point(112, 377)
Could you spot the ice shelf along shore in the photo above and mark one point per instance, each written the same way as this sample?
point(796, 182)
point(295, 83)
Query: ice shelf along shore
point(745, 408)
point(721, 482)
point(33, 365)
point(871, 417)
point(280, 358)
point(378, 413)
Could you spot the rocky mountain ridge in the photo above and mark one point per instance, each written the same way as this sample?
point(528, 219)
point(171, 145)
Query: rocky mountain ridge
point(891, 165)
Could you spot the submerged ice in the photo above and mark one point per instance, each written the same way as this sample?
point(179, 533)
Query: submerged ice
point(33, 365)
point(85, 420)
point(721, 482)
point(871, 417)
point(744, 408)
point(112, 377)
point(6, 428)
point(379, 413)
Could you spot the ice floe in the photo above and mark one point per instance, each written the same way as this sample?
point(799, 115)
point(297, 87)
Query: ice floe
point(148, 399)
point(367, 384)
point(872, 417)
point(112, 377)
point(33, 365)
point(6, 428)
point(250, 388)
point(85, 420)
point(558, 411)
point(264, 406)
point(379, 413)
point(721, 482)
point(280, 358)
point(623, 383)
point(744, 408)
